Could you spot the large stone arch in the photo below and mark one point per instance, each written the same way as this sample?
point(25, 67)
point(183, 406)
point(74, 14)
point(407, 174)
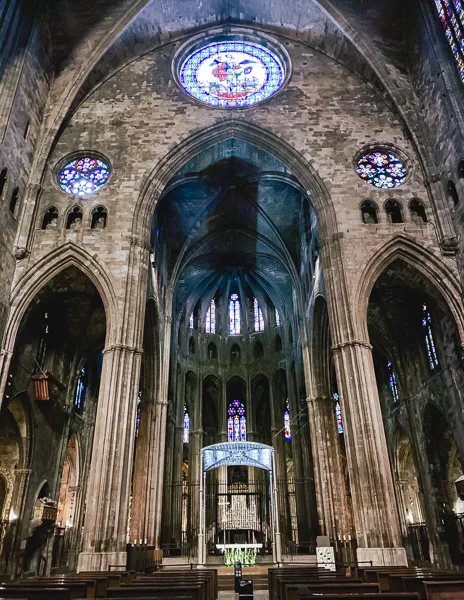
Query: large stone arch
point(426, 262)
point(35, 278)
point(205, 137)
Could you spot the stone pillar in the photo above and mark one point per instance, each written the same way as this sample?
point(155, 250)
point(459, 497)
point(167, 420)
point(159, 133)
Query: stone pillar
point(374, 506)
point(105, 526)
point(375, 514)
point(334, 511)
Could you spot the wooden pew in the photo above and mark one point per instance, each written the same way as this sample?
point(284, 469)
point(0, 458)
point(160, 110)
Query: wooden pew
point(114, 578)
point(276, 576)
point(79, 587)
point(444, 590)
point(417, 583)
point(193, 591)
point(293, 591)
point(366, 596)
point(34, 593)
point(209, 577)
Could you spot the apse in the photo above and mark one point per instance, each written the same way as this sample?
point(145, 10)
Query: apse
point(235, 241)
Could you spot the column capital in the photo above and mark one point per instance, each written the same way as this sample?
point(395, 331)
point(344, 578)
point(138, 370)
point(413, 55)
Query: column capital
point(136, 241)
point(331, 239)
point(122, 347)
point(348, 343)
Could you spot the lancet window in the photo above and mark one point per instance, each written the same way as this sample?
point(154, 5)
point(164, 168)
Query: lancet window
point(186, 431)
point(428, 336)
point(277, 317)
point(338, 413)
point(287, 430)
point(81, 388)
point(451, 13)
point(392, 382)
point(211, 317)
point(236, 422)
point(137, 418)
point(191, 320)
point(258, 316)
point(234, 315)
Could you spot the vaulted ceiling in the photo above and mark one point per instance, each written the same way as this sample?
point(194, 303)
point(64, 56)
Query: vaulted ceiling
point(233, 211)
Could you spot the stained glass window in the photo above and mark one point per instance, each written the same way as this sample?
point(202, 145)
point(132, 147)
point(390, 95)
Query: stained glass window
point(83, 176)
point(231, 74)
point(338, 413)
point(258, 316)
point(382, 169)
point(137, 418)
point(236, 422)
point(451, 13)
point(277, 317)
point(287, 432)
point(186, 432)
point(191, 320)
point(211, 317)
point(80, 389)
point(234, 315)
point(428, 336)
point(392, 382)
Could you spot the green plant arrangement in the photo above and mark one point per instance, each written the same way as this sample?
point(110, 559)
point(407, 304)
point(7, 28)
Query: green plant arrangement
point(247, 556)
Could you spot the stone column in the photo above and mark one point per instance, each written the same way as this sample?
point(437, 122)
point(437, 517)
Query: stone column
point(334, 511)
point(375, 513)
point(105, 526)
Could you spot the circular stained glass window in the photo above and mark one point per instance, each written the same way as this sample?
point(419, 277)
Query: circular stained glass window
point(232, 74)
point(83, 176)
point(382, 169)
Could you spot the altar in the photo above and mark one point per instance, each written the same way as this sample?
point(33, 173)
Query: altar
point(243, 553)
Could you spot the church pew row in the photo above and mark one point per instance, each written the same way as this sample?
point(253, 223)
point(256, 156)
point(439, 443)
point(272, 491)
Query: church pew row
point(192, 591)
point(294, 591)
point(209, 577)
point(444, 590)
point(278, 576)
point(34, 593)
point(417, 583)
point(366, 596)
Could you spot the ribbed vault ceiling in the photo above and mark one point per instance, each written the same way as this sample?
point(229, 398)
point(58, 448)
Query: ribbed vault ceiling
point(232, 213)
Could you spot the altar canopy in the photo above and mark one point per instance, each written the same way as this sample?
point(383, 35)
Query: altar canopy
point(227, 454)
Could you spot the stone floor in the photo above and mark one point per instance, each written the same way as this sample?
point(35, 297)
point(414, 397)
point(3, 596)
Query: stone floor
point(258, 595)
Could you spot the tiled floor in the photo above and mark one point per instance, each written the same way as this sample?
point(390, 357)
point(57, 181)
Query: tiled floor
point(258, 595)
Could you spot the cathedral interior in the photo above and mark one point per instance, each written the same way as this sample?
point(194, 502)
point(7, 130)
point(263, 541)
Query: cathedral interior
point(232, 257)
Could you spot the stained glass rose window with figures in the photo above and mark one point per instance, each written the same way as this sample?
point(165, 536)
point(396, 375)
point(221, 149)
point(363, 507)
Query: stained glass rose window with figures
point(231, 74)
point(83, 176)
point(382, 169)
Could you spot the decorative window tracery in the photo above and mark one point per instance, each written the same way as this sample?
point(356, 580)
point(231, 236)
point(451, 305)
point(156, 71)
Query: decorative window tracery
point(186, 430)
point(231, 73)
point(258, 316)
point(83, 176)
point(234, 315)
point(428, 336)
point(236, 422)
point(392, 382)
point(287, 430)
point(451, 13)
point(338, 413)
point(382, 169)
point(211, 317)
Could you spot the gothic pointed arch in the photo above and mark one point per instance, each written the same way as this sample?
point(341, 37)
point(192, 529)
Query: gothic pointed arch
point(431, 267)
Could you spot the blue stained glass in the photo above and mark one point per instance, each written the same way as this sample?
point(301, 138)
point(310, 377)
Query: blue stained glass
point(382, 170)
point(452, 18)
point(287, 431)
point(236, 422)
point(234, 315)
point(191, 320)
point(83, 176)
point(392, 382)
point(137, 418)
point(258, 316)
point(428, 336)
point(338, 413)
point(232, 74)
point(277, 317)
point(80, 390)
point(211, 317)
point(186, 431)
